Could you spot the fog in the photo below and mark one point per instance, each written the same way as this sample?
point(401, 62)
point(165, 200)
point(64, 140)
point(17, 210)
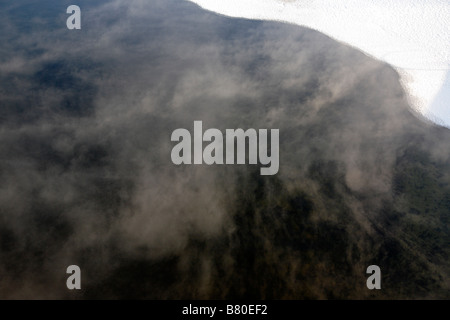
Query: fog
point(410, 35)
point(87, 177)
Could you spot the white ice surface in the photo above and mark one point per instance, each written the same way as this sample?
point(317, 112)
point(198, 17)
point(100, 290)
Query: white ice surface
point(411, 35)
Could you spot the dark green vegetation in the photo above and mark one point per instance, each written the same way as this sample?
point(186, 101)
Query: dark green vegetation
point(87, 179)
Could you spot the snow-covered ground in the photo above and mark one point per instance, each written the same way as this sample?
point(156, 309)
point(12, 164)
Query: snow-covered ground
point(411, 35)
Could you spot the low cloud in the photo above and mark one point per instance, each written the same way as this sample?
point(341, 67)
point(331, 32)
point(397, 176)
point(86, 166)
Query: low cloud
point(87, 176)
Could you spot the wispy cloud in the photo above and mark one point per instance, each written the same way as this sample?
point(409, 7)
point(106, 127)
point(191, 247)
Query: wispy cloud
point(87, 176)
